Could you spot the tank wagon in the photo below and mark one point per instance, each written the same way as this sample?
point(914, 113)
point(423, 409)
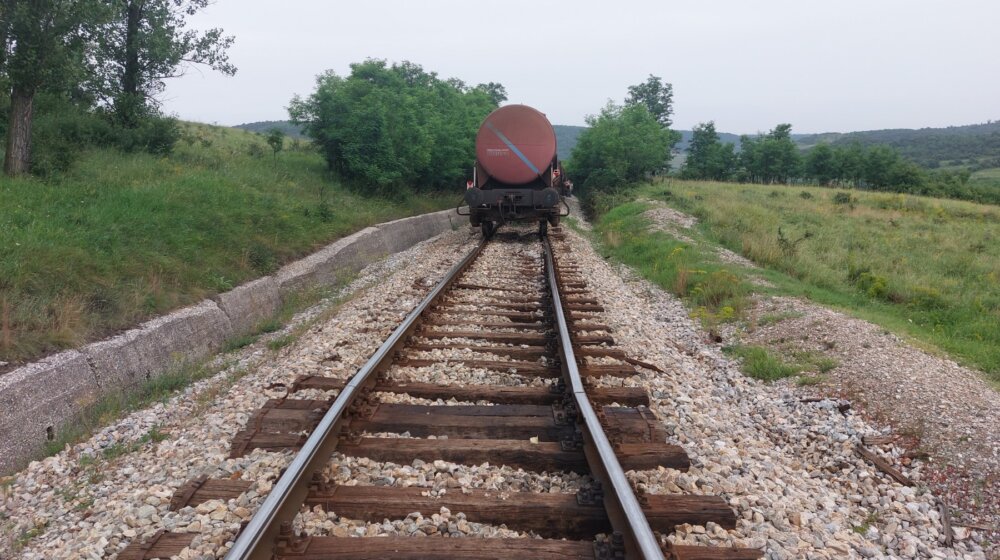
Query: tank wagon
point(517, 175)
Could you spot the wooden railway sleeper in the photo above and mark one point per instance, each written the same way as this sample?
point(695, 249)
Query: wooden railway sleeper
point(184, 494)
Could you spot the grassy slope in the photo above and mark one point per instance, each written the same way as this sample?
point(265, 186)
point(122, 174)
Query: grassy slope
point(125, 237)
point(924, 267)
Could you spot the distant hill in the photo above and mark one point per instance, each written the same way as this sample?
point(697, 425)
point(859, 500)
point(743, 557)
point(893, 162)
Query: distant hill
point(263, 127)
point(724, 137)
point(974, 145)
point(566, 136)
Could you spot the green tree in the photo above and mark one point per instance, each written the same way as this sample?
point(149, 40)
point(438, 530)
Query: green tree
point(708, 158)
point(44, 42)
point(878, 165)
point(496, 92)
point(276, 139)
point(770, 158)
point(906, 176)
point(388, 127)
point(656, 96)
point(622, 145)
point(850, 163)
point(146, 42)
point(821, 165)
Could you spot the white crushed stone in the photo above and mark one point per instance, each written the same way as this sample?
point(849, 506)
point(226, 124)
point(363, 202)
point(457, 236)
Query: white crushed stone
point(937, 405)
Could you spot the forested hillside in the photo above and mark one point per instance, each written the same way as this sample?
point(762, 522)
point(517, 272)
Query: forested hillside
point(724, 137)
point(975, 146)
point(566, 137)
point(263, 127)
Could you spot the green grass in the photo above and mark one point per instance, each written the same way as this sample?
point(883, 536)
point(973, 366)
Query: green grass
point(760, 363)
point(713, 290)
point(121, 237)
point(925, 268)
point(764, 364)
point(121, 449)
point(280, 342)
point(239, 342)
point(987, 177)
point(773, 318)
point(27, 535)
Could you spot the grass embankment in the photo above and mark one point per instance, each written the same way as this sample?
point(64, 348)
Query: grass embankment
point(124, 237)
point(923, 267)
point(986, 177)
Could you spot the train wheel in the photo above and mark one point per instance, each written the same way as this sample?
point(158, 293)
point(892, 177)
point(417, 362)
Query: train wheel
point(543, 227)
point(489, 228)
point(554, 220)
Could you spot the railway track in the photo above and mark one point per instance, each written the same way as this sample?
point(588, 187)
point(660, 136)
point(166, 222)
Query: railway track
point(523, 319)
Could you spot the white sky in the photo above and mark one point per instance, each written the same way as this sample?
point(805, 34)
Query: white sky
point(833, 65)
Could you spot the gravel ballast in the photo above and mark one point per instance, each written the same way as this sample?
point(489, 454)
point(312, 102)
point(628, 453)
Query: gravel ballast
point(786, 467)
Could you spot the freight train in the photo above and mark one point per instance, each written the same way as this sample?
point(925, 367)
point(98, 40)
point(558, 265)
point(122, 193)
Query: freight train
point(517, 176)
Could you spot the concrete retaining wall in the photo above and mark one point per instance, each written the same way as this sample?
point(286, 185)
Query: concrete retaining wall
point(39, 400)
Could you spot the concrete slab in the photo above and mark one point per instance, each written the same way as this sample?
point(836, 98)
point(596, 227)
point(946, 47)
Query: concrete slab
point(402, 234)
point(38, 401)
point(158, 346)
point(250, 304)
point(320, 267)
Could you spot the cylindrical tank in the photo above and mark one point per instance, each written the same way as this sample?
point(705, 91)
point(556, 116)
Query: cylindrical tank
point(516, 144)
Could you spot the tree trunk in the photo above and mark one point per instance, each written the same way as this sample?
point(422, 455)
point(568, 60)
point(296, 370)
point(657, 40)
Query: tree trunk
point(18, 159)
point(128, 104)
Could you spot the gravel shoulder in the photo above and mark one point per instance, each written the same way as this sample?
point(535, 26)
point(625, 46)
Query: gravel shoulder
point(931, 404)
point(939, 412)
point(787, 467)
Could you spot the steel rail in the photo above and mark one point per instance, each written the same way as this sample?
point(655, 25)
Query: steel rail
point(256, 540)
point(629, 518)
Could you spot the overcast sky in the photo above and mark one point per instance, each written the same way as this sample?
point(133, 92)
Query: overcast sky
point(746, 64)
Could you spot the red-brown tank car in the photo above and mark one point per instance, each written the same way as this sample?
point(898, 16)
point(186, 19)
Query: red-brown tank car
point(517, 176)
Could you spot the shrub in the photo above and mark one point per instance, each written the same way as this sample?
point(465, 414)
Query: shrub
point(854, 272)
point(789, 247)
point(805, 195)
point(256, 150)
point(873, 285)
point(155, 135)
point(718, 288)
point(61, 131)
point(927, 298)
point(261, 258)
point(844, 198)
